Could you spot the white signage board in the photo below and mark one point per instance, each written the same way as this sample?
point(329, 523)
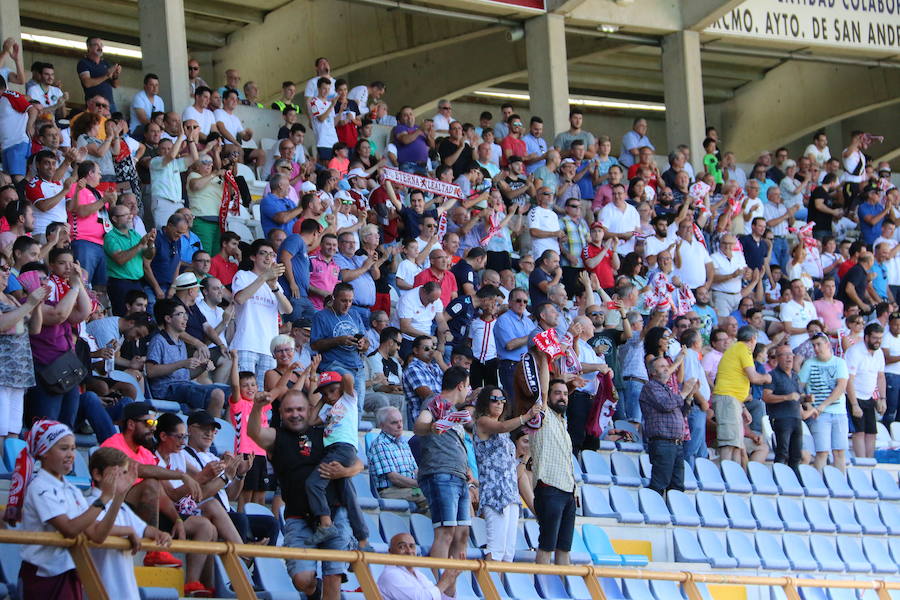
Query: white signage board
point(848, 24)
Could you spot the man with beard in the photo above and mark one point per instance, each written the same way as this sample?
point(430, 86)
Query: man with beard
point(865, 362)
point(136, 441)
point(292, 468)
point(663, 426)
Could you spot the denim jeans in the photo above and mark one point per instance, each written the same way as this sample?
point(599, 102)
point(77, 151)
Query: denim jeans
point(506, 370)
point(892, 400)
point(788, 440)
point(101, 418)
point(696, 446)
point(41, 404)
point(667, 459)
point(631, 403)
point(780, 251)
point(555, 512)
point(303, 309)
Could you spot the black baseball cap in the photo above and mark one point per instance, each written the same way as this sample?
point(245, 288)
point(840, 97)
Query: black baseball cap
point(133, 411)
point(203, 419)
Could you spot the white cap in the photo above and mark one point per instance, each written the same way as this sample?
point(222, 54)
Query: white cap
point(357, 172)
point(307, 186)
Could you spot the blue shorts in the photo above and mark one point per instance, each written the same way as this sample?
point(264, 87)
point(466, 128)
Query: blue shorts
point(829, 431)
point(92, 259)
point(15, 158)
point(194, 395)
point(298, 533)
point(448, 499)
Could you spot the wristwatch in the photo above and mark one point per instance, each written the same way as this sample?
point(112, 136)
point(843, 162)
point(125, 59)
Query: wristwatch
point(98, 503)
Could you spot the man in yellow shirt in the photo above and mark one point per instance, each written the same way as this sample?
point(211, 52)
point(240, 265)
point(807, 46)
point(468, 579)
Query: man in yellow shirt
point(735, 374)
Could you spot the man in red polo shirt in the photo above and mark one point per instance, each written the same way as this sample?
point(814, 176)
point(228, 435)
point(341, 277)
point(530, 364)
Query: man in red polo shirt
point(513, 144)
point(224, 265)
point(602, 261)
point(439, 271)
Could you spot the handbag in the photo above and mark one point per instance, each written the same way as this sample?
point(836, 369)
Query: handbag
point(62, 374)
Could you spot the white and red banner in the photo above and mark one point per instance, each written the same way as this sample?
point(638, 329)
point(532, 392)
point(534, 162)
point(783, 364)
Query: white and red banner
point(426, 184)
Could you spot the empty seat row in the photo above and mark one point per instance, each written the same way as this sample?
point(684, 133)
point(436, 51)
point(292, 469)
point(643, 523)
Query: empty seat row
point(737, 549)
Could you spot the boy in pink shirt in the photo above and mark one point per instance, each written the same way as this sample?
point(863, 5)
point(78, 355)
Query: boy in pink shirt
point(243, 390)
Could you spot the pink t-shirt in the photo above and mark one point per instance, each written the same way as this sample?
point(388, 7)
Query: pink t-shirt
point(240, 414)
point(142, 456)
point(830, 313)
point(87, 228)
point(323, 275)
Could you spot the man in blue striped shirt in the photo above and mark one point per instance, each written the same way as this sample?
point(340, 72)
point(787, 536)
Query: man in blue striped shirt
point(511, 334)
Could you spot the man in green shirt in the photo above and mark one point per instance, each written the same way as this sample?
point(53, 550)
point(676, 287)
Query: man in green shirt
point(125, 252)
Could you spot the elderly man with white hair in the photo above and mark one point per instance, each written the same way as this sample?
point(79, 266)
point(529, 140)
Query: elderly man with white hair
point(391, 462)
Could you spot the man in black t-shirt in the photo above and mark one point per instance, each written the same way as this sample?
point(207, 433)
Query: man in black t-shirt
point(455, 152)
point(855, 283)
point(296, 450)
point(782, 397)
point(822, 208)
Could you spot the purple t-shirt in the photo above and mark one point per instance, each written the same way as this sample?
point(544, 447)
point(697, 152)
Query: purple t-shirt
point(415, 152)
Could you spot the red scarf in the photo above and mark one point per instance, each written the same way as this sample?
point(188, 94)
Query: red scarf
point(231, 200)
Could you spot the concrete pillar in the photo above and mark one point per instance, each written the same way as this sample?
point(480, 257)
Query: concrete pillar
point(835, 133)
point(548, 74)
point(164, 48)
point(683, 93)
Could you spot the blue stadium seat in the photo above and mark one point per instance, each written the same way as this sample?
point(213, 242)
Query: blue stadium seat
point(654, 507)
point(842, 515)
point(663, 590)
point(766, 513)
point(813, 594)
point(595, 502)
point(646, 467)
point(521, 585)
point(713, 547)
point(792, 514)
point(837, 483)
point(710, 508)
point(637, 589)
point(423, 531)
point(824, 551)
point(81, 475)
point(533, 532)
point(682, 508)
point(550, 586)
point(690, 480)
point(161, 593)
point(625, 471)
point(735, 478)
point(788, 484)
point(798, 553)
point(708, 477)
point(867, 516)
point(625, 506)
point(367, 500)
point(852, 555)
point(879, 556)
point(817, 514)
point(224, 441)
point(576, 469)
point(611, 589)
point(272, 574)
point(740, 547)
point(890, 516)
point(11, 448)
point(762, 479)
point(392, 524)
point(600, 547)
point(861, 482)
point(596, 468)
point(770, 552)
point(630, 427)
point(375, 538)
point(738, 510)
point(478, 532)
point(464, 586)
point(813, 484)
point(894, 545)
point(687, 548)
point(885, 484)
point(524, 551)
point(579, 554)
point(578, 589)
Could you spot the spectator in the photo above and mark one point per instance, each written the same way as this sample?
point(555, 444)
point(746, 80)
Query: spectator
point(98, 76)
point(729, 269)
point(825, 377)
point(783, 396)
point(734, 375)
point(17, 127)
point(700, 407)
point(405, 583)
point(144, 104)
point(866, 388)
point(544, 225)
point(496, 456)
point(292, 468)
point(511, 335)
point(19, 216)
point(796, 314)
point(126, 252)
point(200, 113)
point(160, 270)
point(232, 129)
point(633, 141)
point(385, 373)
point(413, 143)
point(165, 177)
point(620, 219)
point(439, 272)
point(421, 377)
point(871, 214)
point(360, 272)
point(391, 462)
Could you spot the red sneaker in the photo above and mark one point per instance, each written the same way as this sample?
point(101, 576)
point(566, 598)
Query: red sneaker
point(161, 559)
point(195, 589)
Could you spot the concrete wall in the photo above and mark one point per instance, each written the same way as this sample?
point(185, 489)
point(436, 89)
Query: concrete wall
point(130, 81)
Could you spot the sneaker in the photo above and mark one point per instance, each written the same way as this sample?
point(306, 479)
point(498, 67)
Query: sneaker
point(323, 534)
point(161, 559)
point(195, 589)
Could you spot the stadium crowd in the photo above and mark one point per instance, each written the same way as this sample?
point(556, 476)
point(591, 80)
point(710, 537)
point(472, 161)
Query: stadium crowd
point(508, 298)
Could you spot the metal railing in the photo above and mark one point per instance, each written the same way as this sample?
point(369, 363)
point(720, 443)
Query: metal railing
point(231, 555)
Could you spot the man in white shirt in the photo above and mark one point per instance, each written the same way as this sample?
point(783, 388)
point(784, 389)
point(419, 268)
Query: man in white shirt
point(361, 94)
point(728, 267)
point(199, 111)
point(48, 96)
point(663, 238)
point(621, 220)
point(321, 116)
point(384, 386)
point(418, 309)
point(543, 224)
point(796, 314)
point(693, 265)
point(866, 364)
point(145, 103)
point(444, 117)
point(323, 69)
point(892, 247)
point(406, 583)
point(890, 346)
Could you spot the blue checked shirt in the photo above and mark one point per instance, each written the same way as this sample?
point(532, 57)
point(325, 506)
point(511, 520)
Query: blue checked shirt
point(390, 455)
point(419, 374)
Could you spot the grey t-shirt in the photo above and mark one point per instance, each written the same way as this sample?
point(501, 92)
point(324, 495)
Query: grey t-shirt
point(443, 453)
point(783, 384)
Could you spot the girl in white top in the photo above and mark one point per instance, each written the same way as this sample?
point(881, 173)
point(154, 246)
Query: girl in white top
point(47, 502)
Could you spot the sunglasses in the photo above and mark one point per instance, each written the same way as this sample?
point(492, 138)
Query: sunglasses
point(520, 301)
point(498, 399)
point(572, 206)
point(149, 422)
point(193, 68)
point(595, 314)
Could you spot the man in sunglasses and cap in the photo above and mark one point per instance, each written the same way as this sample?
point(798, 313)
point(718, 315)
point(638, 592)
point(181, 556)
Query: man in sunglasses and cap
point(136, 441)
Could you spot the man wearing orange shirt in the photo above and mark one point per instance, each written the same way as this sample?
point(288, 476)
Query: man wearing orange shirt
point(439, 271)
